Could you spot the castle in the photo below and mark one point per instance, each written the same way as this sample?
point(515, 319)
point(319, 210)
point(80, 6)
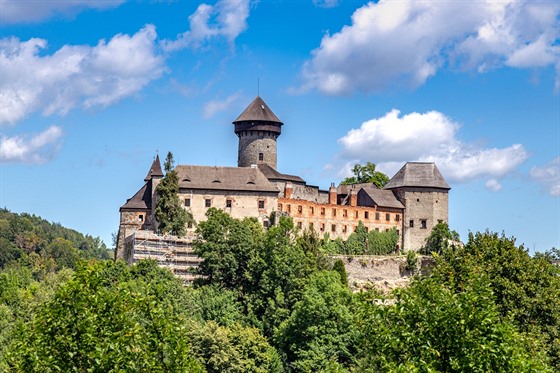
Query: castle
point(412, 202)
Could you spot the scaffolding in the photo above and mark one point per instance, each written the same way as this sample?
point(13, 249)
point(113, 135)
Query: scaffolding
point(171, 252)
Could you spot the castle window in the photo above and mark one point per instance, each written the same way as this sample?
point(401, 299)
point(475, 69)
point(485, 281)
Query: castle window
point(411, 224)
point(208, 202)
point(310, 226)
point(440, 221)
point(299, 224)
point(333, 212)
point(397, 217)
point(189, 224)
point(140, 217)
point(345, 213)
point(300, 209)
point(288, 208)
point(322, 227)
point(322, 211)
point(387, 217)
point(187, 202)
point(261, 204)
point(279, 207)
point(261, 156)
point(356, 214)
point(228, 203)
point(423, 224)
point(417, 199)
point(398, 232)
point(377, 229)
point(311, 210)
point(344, 228)
point(376, 216)
point(333, 228)
point(366, 214)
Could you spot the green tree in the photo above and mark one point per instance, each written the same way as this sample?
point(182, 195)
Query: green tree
point(432, 328)
point(320, 328)
point(63, 252)
point(526, 290)
point(440, 238)
point(109, 317)
point(366, 174)
point(170, 215)
point(339, 267)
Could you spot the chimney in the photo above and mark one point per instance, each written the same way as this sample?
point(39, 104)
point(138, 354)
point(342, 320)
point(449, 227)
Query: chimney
point(353, 197)
point(288, 190)
point(333, 194)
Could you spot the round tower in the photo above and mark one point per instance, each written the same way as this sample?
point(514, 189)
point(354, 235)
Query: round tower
point(257, 128)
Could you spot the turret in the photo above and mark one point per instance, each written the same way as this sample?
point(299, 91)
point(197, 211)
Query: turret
point(257, 128)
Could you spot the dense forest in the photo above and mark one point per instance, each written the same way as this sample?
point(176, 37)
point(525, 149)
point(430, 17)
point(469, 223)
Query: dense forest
point(272, 301)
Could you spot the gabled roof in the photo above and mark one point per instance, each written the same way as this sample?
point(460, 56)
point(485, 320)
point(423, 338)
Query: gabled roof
point(257, 111)
point(418, 174)
point(142, 200)
point(246, 179)
point(383, 198)
point(155, 170)
point(271, 174)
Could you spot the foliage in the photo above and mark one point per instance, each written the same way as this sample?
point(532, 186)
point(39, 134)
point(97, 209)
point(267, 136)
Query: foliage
point(212, 303)
point(339, 267)
point(526, 290)
point(432, 328)
point(440, 238)
point(109, 317)
point(366, 174)
point(320, 328)
point(24, 234)
point(227, 247)
point(170, 215)
point(549, 255)
point(233, 349)
point(411, 261)
point(362, 242)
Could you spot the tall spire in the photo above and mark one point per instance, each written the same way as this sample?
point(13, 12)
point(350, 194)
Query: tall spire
point(155, 170)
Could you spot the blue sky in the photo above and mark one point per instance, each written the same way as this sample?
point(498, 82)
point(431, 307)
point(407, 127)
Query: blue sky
point(91, 90)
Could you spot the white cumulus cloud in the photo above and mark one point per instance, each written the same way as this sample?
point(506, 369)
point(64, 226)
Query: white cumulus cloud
point(493, 185)
point(74, 75)
point(37, 149)
point(406, 42)
point(548, 176)
point(226, 19)
point(17, 11)
point(392, 140)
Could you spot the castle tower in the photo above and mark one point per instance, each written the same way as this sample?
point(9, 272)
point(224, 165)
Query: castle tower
point(257, 128)
point(422, 189)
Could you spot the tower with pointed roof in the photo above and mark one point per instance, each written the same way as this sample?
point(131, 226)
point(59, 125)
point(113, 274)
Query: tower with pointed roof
point(257, 129)
point(422, 189)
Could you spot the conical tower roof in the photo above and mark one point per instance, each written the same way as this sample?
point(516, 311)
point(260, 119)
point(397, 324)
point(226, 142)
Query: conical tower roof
point(257, 111)
point(155, 170)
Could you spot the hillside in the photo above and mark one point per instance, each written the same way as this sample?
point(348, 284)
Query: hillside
point(24, 234)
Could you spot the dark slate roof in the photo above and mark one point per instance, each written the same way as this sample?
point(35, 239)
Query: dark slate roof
point(418, 174)
point(345, 188)
point(272, 174)
point(155, 170)
point(257, 111)
point(142, 200)
point(246, 179)
point(383, 198)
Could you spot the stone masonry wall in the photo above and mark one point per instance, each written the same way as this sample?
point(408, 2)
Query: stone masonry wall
point(251, 143)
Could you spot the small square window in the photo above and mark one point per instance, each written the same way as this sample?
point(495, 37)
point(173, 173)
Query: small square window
point(228, 203)
point(322, 227)
point(288, 208)
point(333, 212)
point(261, 156)
point(366, 214)
point(345, 213)
point(423, 224)
point(140, 217)
point(387, 217)
point(208, 202)
point(300, 209)
point(280, 207)
point(311, 210)
point(377, 229)
point(411, 224)
point(261, 204)
point(376, 216)
point(299, 224)
point(187, 202)
point(333, 228)
point(322, 211)
point(397, 217)
point(356, 214)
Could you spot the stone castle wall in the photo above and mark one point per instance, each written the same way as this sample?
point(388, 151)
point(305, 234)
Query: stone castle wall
point(253, 143)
